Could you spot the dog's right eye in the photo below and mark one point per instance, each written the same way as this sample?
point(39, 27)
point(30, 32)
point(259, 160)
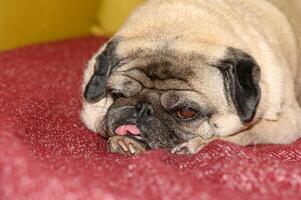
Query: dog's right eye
point(186, 113)
point(116, 94)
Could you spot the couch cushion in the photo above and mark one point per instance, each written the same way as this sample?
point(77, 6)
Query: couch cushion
point(47, 153)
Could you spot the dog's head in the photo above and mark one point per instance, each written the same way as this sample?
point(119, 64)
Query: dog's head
point(165, 94)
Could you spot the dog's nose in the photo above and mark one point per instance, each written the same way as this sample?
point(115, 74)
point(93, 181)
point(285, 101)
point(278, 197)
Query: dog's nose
point(143, 109)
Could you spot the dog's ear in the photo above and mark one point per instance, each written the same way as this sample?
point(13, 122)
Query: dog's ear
point(241, 77)
point(105, 62)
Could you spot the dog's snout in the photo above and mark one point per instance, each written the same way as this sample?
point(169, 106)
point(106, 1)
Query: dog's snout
point(143, 109)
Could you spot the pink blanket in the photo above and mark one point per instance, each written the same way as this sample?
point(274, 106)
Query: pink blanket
point(47, 153)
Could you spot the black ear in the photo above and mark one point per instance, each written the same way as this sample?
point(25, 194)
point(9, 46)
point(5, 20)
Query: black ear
point(105, 62)
point(241, 76)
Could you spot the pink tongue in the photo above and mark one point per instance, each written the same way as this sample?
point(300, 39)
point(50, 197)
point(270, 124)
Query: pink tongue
point(127, 129)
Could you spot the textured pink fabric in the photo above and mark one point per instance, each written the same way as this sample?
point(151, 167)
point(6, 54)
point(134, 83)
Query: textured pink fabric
point(47, 153)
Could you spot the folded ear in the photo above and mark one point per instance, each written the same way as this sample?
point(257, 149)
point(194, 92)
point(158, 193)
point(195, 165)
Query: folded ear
point(105, 62)
point(241, 76)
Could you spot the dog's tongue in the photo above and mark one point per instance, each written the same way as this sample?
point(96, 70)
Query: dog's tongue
point(127, 129)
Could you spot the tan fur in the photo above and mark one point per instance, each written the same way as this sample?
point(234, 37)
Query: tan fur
point(271, 34)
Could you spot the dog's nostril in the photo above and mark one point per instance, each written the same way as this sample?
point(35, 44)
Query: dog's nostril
point(144, 109)
point(139, 106)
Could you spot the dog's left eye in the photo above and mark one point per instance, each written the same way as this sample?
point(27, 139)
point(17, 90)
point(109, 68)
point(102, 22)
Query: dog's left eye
point(186, 113)
point(116, 94)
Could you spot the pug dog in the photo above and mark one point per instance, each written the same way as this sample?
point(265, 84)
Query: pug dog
point(181, 73)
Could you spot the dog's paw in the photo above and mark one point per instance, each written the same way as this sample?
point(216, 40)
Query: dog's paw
point(190, 147)
point(125, 145)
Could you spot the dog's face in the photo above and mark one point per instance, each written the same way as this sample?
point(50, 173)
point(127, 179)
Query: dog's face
point(167, 94)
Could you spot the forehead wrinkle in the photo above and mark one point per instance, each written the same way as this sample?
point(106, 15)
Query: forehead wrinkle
point(171, 84)
point(144, 56)
point(162, 69)
point(139, 76)
point(168, 84)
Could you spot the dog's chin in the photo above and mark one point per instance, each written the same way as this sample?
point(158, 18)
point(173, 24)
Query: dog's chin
point(157, 133)
point(150, 131)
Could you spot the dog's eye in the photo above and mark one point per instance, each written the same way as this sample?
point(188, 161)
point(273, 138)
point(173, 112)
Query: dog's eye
point(116, 94)
point(186, 113)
